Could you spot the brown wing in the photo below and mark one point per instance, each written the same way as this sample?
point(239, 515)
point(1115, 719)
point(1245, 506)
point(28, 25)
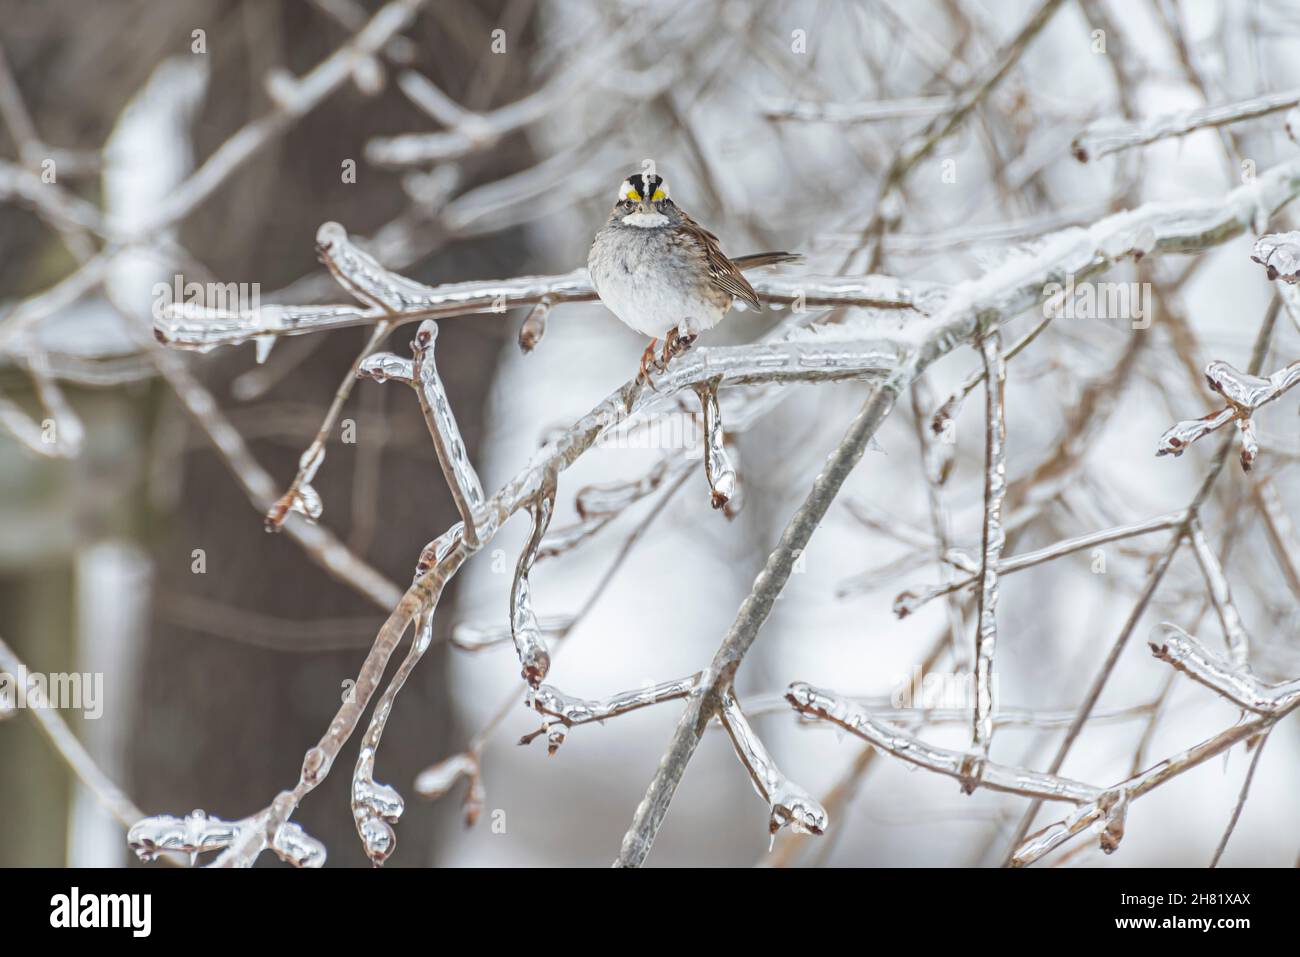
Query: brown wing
point(722, 271)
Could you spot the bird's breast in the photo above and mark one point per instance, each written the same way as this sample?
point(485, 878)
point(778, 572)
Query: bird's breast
point(650, 282)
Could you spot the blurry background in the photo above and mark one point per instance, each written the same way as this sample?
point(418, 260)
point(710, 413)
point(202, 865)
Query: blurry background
point(774, 122)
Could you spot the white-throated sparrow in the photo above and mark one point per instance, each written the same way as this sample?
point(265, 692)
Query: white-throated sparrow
point(662, 273)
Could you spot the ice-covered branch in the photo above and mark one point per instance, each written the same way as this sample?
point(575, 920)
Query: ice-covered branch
point(789, 805)
point(1279, 254)
point(855, 719)
point(1110, 136)
point(717, 464)
point(457, 469)
point(1234, 632)
point(995, 490)
point(909, 601)
point(1245, 394)
point(197, 833)
point(189, 326)
point(534, 658)
point(568, 711)
point(1228, 678)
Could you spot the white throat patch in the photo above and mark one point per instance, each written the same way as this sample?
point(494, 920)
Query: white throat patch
point(645, 220)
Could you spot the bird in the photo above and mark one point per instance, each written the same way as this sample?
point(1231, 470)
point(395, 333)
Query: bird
point(663, 274)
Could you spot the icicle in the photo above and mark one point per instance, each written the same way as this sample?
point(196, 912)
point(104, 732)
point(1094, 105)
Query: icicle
point(534, 659)
point(377, 807)
point(717, 465)
point(534, 327)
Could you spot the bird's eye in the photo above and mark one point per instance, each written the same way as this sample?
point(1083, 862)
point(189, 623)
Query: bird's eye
point(659, 194)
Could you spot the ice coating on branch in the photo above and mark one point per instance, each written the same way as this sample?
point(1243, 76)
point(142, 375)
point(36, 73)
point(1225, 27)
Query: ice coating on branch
point(1234, 681)
point(435, 781)
point(362, 275)
point(201, 329)
point(718, 469)
point(1177, 438)
point(197, 833)
point(377, 807)
point(438, 549)
point(478, 635)
point(568, 710)
point(1240, 389)
point(459, 472)
point(534, 659)
point(789, 805)
point(1245, 394)
point(858, 720)
point(1279, 254)
point(534, 327)
point(385, 367)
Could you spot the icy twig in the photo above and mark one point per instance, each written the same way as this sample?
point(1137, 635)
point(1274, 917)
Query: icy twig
point(789, 805)
point(717, 464)
point(1279, 254)
point(1110, 136)
point(376, 807)
point(466, 490)
point(435, 781)
point(909, 601)
point(534, 659)
point(1241, 801)
point(196, 833)
point(1245, 394)
point(1228, 678)
point(855, 719)
point(995, 490)
point(1281, 532)
point(568, 711)
point(534, 326)
point(475, 636)
point(598, 505)
point(1234, 632)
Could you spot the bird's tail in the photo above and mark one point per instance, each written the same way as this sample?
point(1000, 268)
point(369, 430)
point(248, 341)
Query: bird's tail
point(765, 259)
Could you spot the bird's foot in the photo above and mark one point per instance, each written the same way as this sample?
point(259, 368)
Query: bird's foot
point(674, 345)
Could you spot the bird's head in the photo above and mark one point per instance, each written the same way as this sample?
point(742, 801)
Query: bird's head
point(643, 199)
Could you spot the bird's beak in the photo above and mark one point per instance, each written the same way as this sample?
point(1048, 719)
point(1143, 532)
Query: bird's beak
point(647, 206)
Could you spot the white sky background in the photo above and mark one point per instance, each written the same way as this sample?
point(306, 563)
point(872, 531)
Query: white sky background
point(671, 603)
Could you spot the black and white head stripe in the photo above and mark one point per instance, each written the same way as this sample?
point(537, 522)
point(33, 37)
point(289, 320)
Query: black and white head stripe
point(640, 186)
